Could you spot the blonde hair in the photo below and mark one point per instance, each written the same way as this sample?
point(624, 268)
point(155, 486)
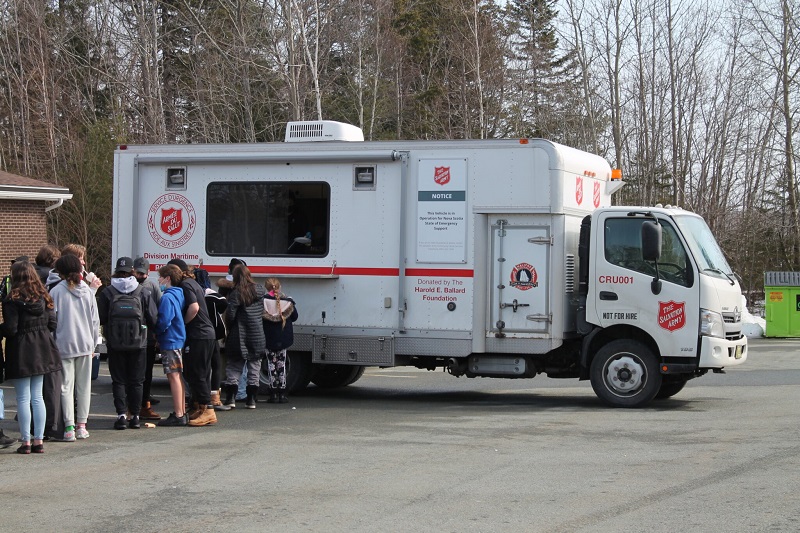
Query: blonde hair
point(77, 250)
point(274, 285)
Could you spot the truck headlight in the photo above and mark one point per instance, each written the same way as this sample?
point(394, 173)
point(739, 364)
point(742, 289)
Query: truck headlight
point(711, 324)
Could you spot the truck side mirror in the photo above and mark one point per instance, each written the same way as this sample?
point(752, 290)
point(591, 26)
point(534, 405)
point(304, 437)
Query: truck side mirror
point(651, 240)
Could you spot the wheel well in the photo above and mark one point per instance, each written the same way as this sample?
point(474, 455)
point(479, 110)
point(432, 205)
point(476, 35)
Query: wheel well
point(602, 336)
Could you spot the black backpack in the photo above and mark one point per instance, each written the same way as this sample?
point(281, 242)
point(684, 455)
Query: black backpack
point(125, 330)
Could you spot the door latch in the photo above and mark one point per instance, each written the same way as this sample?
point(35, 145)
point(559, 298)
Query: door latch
point(513, 305)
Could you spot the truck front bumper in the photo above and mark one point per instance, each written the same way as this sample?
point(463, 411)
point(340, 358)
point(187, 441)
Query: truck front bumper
point(719, 353)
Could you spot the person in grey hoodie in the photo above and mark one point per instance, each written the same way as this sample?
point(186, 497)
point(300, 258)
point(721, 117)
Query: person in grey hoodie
point(127, 365)
point(77, 334)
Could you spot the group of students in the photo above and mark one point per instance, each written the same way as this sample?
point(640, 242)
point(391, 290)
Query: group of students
point(52, 326)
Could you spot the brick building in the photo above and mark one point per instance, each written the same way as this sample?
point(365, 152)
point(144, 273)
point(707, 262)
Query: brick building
point(24, 203)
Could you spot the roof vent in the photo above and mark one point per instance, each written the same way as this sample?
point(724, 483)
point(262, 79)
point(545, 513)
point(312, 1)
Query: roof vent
point(322, 130)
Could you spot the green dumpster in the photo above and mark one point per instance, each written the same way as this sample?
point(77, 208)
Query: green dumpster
point(782, 304)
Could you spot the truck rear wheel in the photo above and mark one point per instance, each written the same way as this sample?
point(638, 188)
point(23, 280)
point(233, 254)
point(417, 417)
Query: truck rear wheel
point(670, 388)
point(298, 373)
point(335, 376)
point(624, 373)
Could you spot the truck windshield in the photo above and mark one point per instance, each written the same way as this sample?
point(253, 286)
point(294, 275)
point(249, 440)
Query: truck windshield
point(704, 247)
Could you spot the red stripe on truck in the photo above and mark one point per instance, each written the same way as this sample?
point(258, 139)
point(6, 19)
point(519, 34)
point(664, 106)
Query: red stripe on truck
point(348, 271)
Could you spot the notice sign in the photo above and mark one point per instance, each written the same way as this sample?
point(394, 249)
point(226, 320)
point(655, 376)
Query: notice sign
point(441, 211)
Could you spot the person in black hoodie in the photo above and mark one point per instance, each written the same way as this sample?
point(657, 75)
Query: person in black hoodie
point(127, 366)
point(279, 313)
point(28, 323)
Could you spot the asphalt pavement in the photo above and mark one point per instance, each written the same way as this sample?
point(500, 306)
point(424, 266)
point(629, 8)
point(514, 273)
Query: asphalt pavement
point(410, 450)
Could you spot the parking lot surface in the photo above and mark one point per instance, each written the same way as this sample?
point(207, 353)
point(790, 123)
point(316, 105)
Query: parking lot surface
point(410, 450)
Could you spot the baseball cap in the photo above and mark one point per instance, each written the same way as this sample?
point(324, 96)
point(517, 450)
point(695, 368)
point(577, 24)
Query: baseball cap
point(140, 264)
point(124, 264)
point(180, 263)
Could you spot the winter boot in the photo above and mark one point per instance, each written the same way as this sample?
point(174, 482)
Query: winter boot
point(282, 396)
point(230, 395)
point(205, 417)
point(216, 402)
point(147, 413)
point(252, 392)
point(195, 411)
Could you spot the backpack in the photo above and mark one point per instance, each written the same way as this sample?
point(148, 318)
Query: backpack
point(202, 278)
point(125, 330)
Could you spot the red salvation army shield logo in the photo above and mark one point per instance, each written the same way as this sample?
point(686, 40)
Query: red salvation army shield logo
point(524, 277)
point(671, 315)
point(579, 190)
point(171, 220)
point(596, 194)
point(441, 175)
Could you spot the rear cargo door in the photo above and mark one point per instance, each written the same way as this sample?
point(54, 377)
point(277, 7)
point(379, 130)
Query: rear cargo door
point(520, 302)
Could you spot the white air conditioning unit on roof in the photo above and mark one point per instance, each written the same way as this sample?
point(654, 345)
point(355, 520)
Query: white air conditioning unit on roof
point(322, 130)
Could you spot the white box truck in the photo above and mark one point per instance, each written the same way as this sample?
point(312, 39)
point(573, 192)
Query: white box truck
point(488, 258)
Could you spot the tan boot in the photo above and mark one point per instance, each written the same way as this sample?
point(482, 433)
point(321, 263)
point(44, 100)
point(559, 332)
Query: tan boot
point(195, 411)
point(147, 413)
point(215, 401)
point(205, 417)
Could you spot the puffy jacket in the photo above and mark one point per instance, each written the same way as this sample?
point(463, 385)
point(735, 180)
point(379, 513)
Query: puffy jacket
point(245, 332)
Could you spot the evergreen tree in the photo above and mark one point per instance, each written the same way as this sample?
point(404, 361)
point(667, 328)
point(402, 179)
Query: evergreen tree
point(541, 79)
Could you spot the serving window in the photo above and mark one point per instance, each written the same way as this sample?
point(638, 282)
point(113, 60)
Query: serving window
point(267, 219)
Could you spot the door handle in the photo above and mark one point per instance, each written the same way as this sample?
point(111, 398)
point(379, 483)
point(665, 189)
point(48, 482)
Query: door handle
point(608, 295)
point(513, 305)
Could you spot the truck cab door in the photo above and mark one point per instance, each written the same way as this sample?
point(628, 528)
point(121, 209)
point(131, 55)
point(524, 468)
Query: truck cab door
point(623, 283)
point(520, 267)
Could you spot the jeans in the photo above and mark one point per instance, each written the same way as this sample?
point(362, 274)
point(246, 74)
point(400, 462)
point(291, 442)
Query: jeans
point(241, 393)
point(29, 395)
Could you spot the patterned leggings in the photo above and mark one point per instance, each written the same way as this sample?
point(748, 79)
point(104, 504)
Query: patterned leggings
point(277, 369)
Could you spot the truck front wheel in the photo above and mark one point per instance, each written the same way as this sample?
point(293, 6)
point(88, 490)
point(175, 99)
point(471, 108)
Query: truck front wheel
point(624, 373)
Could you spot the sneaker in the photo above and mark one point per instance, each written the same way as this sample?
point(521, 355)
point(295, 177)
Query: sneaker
point(5, 440)
point(134, 423)
point(206, 417)
point(173, 420)
point(120, 423)
point(69, 436)
point(81, 433)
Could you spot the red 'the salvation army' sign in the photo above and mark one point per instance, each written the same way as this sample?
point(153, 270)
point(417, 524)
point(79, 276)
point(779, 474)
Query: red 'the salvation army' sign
point(671, 315)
